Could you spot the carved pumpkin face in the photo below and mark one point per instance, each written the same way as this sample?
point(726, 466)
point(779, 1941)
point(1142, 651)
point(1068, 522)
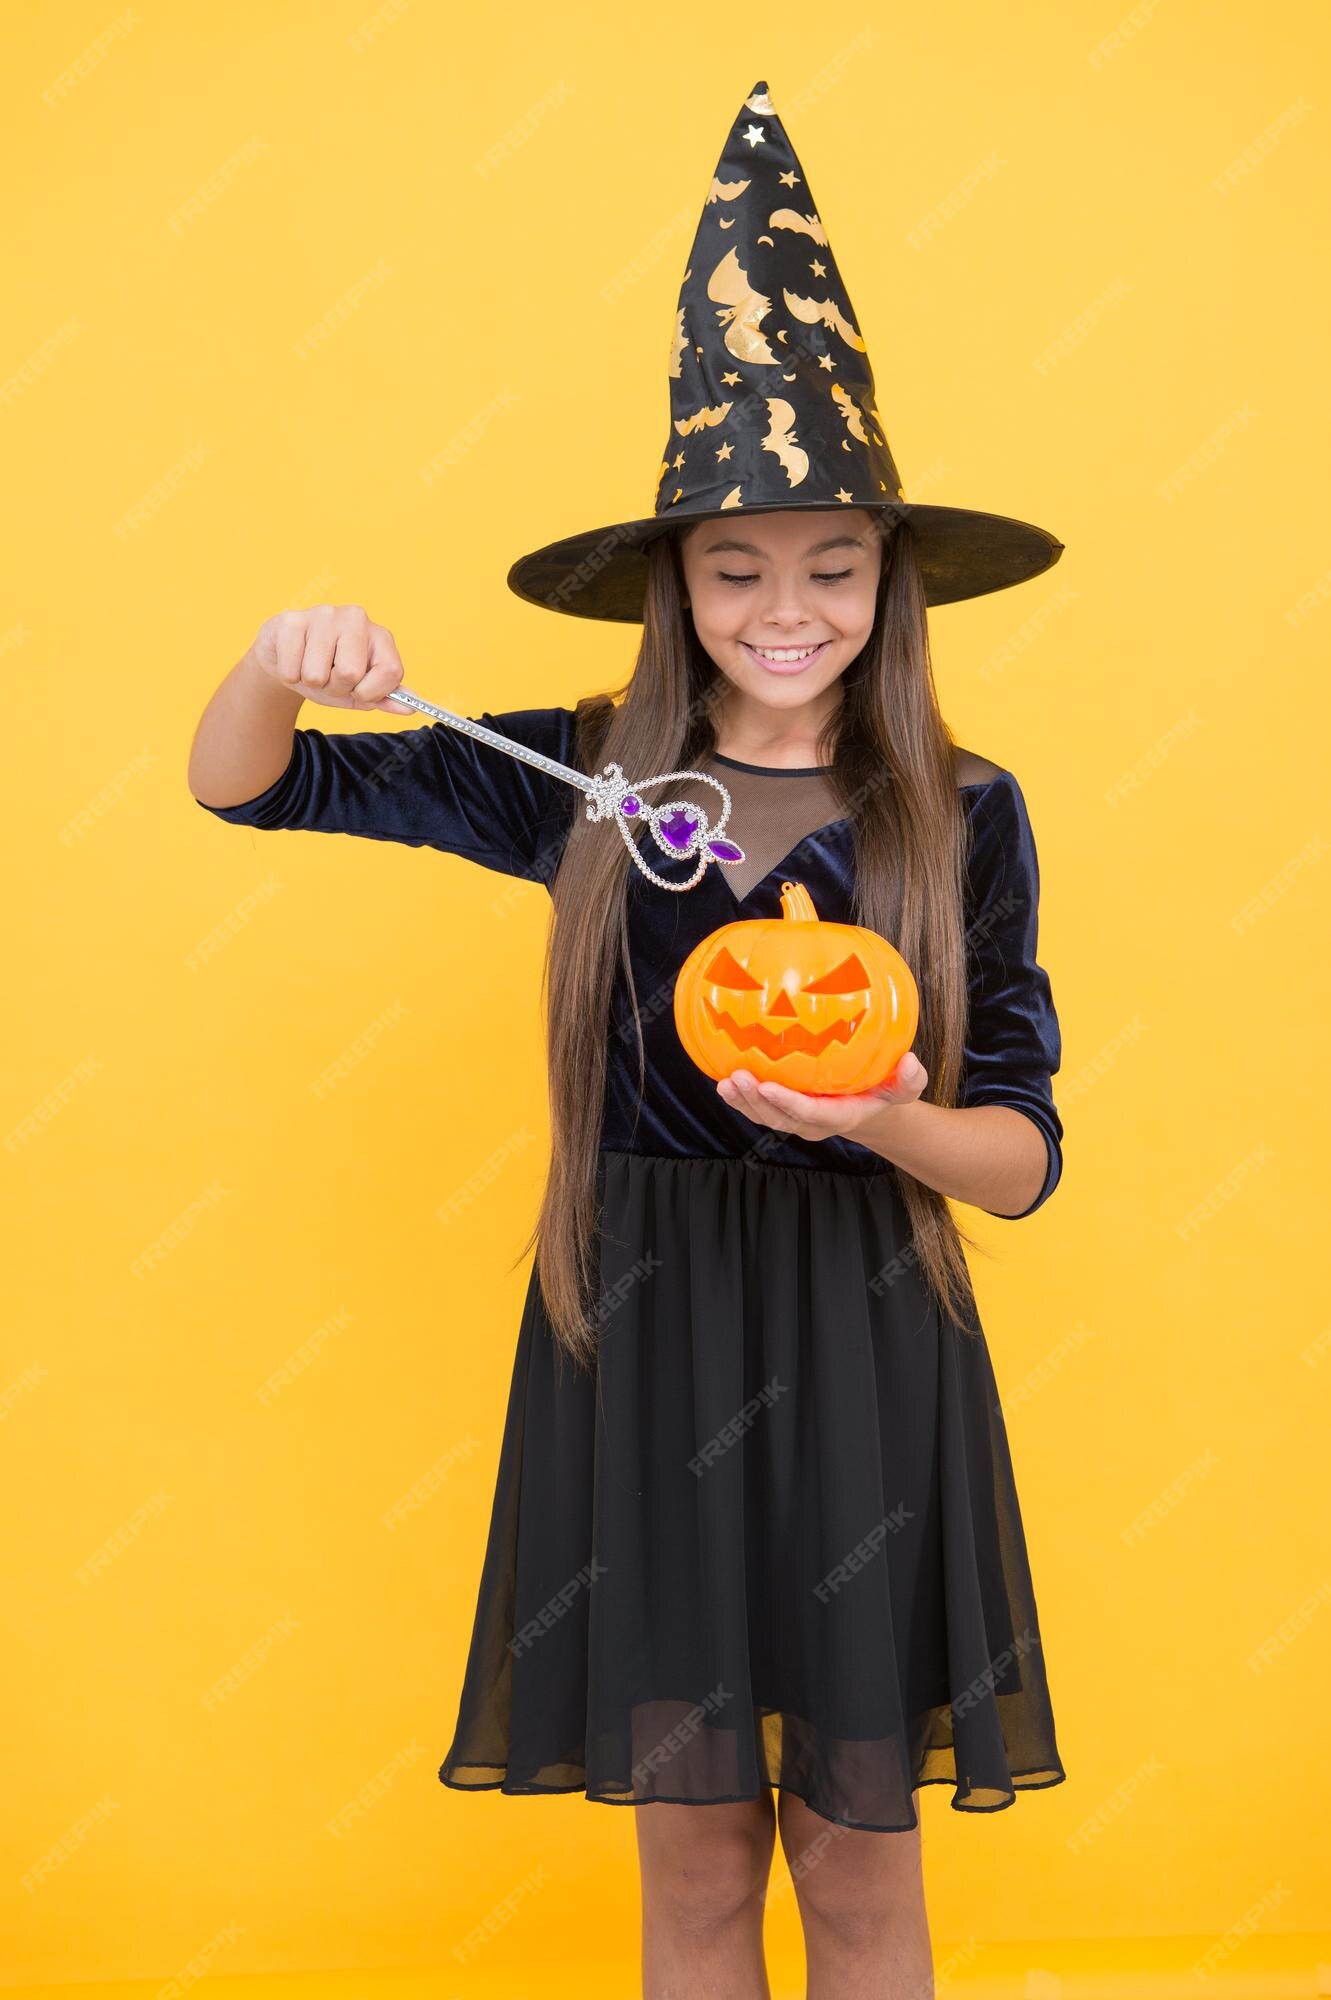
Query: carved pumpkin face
point(825, 1008)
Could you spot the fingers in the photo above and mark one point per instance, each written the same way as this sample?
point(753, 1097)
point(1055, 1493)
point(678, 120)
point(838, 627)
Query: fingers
point(320, 643)
point(769, 1103)
point(385, 672)
point(335, 654)
point(810, 1117)
point(907, 1082)
point(285, 646)
point(350, 656)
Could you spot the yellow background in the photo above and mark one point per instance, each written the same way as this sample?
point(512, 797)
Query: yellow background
point(1160, 1331)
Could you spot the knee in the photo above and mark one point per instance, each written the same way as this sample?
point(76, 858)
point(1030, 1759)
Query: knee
point(862, 1891)
point(710, 1882)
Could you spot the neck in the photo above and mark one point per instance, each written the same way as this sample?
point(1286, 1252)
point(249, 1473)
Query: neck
point(753, 732)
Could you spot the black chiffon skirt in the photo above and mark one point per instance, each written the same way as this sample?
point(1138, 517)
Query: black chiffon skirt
point(774, 1538)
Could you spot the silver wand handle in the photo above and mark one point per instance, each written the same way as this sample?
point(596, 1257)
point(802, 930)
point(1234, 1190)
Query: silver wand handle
point(505, 743)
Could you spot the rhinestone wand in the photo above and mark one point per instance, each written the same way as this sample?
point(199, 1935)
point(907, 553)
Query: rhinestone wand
point(678, 827)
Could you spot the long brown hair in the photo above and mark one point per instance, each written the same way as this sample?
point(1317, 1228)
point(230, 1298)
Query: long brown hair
point(893, 770)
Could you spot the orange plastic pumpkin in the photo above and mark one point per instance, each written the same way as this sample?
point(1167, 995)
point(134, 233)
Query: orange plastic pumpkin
point(826, 1008)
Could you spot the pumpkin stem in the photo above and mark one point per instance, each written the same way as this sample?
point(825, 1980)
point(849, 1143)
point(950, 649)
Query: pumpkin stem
point(797, 903)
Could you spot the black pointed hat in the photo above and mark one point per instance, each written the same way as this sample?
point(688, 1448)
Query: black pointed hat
point(772, 402)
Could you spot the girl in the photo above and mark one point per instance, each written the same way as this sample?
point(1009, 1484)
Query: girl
point(755, 1527)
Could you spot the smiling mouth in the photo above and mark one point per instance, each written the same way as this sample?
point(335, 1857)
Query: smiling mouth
point(794, 1040)
point(785, 656)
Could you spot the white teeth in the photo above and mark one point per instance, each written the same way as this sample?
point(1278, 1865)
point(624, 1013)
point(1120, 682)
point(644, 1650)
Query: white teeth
point(783, 657)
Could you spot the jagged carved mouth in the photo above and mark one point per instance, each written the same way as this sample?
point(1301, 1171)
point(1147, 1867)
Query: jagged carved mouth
point(794, 1040)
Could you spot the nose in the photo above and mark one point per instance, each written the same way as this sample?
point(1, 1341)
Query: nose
point(787, 611)
point(783, 1004)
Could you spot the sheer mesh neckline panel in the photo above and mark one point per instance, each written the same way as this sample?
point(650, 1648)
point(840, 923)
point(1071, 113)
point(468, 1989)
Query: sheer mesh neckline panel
point(773, 810)
point(770, 812)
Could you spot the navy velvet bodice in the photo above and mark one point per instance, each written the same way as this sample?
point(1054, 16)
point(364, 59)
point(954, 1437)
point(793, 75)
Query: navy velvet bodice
point(438, 787)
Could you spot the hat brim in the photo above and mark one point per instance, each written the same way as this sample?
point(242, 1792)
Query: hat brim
point(602, 572)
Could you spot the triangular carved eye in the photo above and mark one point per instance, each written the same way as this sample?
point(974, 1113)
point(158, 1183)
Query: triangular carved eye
point(726, 970)
point(848, 977)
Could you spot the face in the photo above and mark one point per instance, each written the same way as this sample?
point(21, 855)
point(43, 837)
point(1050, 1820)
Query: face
point(783, 602)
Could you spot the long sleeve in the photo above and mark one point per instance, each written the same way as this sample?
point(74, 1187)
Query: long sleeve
point(1012, 1045)
point(430, 787)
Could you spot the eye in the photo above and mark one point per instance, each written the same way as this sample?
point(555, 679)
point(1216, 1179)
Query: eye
point(726, 970)
point(848, 977)
point(819, 576)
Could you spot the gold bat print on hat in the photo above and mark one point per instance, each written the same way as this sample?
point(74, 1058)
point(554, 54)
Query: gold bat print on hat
point(781, 439)
point(823, 312)
point(724, 191)
point(699, 420)
point(744, 308)
point(679, 340)
point(851, 411)
point(807, 225)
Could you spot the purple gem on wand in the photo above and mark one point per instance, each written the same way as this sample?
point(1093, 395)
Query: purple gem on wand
point(676, 829)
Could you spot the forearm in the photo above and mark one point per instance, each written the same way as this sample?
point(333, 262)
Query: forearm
point(244, 738)
point(988, 1155)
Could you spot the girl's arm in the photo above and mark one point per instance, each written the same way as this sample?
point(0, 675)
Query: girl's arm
point(427, 787)
point(988, 1155)
point(331, 654)
point(1000, 1147)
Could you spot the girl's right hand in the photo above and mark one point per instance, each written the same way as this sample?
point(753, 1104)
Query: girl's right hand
point(332, 654)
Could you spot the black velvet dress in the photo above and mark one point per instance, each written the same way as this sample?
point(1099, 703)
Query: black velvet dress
point(774, 1539)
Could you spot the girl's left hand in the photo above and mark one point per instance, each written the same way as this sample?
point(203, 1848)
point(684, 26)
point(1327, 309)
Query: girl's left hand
point(807, 1117)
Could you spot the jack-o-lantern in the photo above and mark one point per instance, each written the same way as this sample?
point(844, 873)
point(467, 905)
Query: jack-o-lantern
point(826, 1008)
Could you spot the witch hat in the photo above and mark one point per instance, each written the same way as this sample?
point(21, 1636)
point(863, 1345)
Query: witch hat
point(772, 402)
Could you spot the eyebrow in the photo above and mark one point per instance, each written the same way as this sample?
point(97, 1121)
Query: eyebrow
point(818, 548)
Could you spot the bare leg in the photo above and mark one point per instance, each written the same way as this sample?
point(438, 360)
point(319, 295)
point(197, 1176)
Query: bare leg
point(861, 1901)
point(704, 1870)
